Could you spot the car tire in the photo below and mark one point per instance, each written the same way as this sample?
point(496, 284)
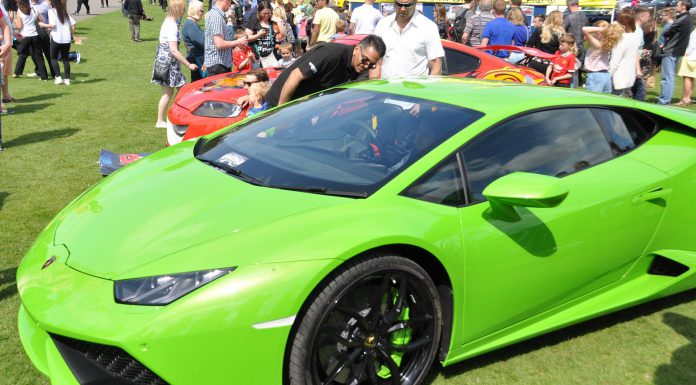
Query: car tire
point(340, 340)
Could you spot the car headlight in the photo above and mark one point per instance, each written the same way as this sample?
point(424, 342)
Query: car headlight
point(214, 109)
point(163, 289)
point(179, 130)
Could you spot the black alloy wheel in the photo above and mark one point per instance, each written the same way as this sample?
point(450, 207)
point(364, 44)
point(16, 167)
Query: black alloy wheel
point(377, 321)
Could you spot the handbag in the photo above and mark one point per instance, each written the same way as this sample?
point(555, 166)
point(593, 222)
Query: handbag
point(656, 53)
point(160, 70)
point(42, 32)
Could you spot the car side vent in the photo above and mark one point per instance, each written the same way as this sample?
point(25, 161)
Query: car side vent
point(97, 364)
point(665, 266)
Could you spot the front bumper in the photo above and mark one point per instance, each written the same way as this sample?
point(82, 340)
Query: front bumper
point(206, 337)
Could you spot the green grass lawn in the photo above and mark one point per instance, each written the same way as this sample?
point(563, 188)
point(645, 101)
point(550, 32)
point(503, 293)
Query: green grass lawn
point(52, 147)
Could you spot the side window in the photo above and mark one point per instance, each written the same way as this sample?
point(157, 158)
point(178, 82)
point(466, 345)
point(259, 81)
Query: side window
point(459, 62)
point(443, 185)
point(554, 142)
point(625, 131)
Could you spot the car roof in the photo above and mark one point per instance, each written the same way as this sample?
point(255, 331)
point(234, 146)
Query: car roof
point(488, 96)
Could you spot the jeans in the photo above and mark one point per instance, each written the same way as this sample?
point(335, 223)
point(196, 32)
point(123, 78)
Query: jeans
point(598, 82)
point(29, 45)
point(63, 51)
point(669, 64)
point(639, 89)
point(134, 26)
point(45, 44)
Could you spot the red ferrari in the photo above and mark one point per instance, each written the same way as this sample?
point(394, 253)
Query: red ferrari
point(209, 104)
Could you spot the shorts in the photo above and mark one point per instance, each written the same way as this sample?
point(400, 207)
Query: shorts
point(598, 81)
point(687, 68)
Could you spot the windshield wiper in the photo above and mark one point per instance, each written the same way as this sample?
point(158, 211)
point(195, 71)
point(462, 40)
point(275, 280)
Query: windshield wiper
point(322, 190)
point(234, 171)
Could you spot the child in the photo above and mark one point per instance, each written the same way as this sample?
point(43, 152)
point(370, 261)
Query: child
point(286, 53)
point(242, 56)
point(257, 96)
point(560, 72)
point(340, 30)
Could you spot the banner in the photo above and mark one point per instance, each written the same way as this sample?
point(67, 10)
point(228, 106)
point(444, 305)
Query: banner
point(610, 4)
point(583, 3)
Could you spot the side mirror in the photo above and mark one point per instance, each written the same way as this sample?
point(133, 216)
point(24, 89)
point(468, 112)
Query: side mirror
point(525, 190)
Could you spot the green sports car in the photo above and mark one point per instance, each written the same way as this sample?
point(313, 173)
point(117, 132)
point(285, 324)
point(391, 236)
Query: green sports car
point(358, 235)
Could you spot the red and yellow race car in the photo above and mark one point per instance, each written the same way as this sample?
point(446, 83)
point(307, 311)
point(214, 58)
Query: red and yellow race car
point(210, 104)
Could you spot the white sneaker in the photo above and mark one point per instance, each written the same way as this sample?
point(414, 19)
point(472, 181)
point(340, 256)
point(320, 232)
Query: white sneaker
point(77, 59)
point(58, 80)
point(66, 82)
point(32, 75)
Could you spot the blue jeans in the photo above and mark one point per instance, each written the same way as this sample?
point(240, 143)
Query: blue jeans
point(598, 82)
point(669, 64)
point(639, 89)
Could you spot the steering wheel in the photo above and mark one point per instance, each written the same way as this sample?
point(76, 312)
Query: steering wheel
point(360, 141)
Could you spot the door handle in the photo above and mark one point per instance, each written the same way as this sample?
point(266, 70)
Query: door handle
point(656, 193)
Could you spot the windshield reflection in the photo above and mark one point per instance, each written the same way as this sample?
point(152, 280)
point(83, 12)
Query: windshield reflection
point(343, 142)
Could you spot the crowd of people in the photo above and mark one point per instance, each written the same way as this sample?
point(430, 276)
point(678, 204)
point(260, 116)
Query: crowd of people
point(618, 57)
point(297, 37)
point(38, 29)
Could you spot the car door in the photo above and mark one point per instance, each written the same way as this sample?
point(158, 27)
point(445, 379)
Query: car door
point(518, 269)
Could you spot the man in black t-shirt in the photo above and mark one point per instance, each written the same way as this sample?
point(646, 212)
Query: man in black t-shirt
point(325, 66)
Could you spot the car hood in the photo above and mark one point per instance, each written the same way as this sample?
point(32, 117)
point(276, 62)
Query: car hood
point(224, 89)
point(162, 204)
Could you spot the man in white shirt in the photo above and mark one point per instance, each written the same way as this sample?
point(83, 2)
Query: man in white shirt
point(641, 15)
point(413, 43)
point(324, 23)
point(364, 18)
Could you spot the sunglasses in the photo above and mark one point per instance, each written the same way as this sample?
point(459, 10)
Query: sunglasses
point(366, 62)
point(403, 5)
point(248, 84)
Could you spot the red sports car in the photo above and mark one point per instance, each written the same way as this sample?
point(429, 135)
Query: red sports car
point(209, 104)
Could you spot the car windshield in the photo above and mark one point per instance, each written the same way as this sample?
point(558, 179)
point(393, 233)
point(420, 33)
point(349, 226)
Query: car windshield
point(346, 142)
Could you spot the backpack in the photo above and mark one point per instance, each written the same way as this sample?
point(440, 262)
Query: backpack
point(459, 25)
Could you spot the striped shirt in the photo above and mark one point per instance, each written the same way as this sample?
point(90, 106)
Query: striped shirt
point(474, 27)
point(216, 24)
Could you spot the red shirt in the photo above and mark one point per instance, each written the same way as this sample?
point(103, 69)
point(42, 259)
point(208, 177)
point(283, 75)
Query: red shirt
point(563, 65)
point(238, 57)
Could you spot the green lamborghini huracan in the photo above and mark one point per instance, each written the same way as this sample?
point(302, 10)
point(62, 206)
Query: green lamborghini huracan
point(358, 235)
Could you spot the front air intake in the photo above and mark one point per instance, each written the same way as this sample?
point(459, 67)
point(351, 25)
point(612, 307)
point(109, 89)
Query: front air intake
point(667, 267)
point(97, 364)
